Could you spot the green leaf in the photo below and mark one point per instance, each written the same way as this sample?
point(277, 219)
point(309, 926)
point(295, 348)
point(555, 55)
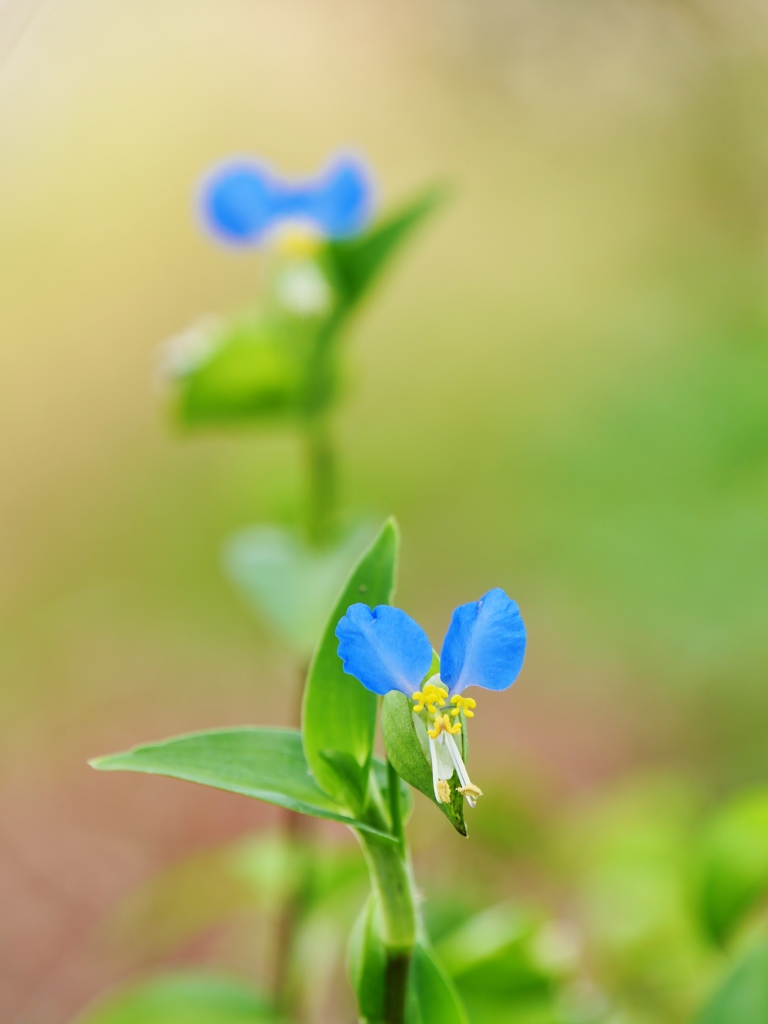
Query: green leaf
point(254, 368)
point(408, 753)
point(743, 998)
point(339, 714)
point(290, 583)
point(181, 998)
point(354, 264)
point(267, 764)
point(432, 996)
point(366, 963)
point(733, 866)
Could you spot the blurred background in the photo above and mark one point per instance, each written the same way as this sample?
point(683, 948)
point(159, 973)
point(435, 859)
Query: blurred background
point(561, 389)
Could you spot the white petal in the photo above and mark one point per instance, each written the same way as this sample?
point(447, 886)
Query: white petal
point(435, 775)
point(444, 759)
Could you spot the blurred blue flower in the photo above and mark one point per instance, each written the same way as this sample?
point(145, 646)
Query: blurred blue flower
point(485, 645)
point(243, 201)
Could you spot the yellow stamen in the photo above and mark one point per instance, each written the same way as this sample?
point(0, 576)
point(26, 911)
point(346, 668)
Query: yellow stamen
point(464, 704)
point(471, 792)
point(443, 723)
point(432, 697)
point(443, 791)
point(297, 240)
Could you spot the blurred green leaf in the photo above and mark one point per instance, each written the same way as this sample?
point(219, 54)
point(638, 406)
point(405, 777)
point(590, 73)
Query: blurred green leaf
point(627, 850)
point(499, 953)
point(339, 714)
point(743, 997)
point(267, 764)
point(354, 264)
point(290, 583)
point(183, 998)
point(409, 755)
point(255, 368)
point(509, 963)
point(433, 998)
point(176, 904)
point(733, 871)
point(256, 874)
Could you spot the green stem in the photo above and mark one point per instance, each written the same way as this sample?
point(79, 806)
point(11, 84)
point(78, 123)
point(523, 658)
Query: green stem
point(389, 869)
point(297, 829)
point(396, 987)
point(321, 479)
point(395, 807)
point(391, 883)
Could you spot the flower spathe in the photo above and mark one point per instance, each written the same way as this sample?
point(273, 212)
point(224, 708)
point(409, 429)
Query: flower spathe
point(243, 201)
point(485, 645)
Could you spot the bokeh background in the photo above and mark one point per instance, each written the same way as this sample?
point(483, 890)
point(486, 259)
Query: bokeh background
point(562, 389)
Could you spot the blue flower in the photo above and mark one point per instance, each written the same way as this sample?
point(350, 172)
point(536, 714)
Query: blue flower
point(386, 650)
point(243, 201)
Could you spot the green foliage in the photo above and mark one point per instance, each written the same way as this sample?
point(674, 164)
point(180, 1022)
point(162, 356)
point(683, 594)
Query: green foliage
point(432, 997)
point(354, 264)
point(625, 859)
point(366, 962)
point(267, 764)
point(743, 997)
point(339, 714)
point(254, 369)
point(278, 364)
point(182, 998)
point(733, 870)
point(289, 582)
point(409, 755)
point(496, 953)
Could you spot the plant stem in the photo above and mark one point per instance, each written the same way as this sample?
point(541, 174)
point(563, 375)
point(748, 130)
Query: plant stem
point(396, 972)
point(321, 480)
point(395, 807)
point(391, 882)
point(397, 965)
point(320, 463)
point(296, 828)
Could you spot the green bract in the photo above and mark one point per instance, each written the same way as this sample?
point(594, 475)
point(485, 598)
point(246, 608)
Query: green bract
point(408, 752)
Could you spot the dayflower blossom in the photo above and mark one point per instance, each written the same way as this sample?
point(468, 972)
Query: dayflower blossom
point(386, 650)
point(243, 202)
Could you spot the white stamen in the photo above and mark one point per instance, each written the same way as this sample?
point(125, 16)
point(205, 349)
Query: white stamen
point(435, 774)
point(461, 768)
point(302, 289)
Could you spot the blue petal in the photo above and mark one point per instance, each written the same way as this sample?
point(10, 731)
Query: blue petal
point(240, 201)
point(484, 645)
point(383, 648)
point(243, 201)
point(341, 201)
